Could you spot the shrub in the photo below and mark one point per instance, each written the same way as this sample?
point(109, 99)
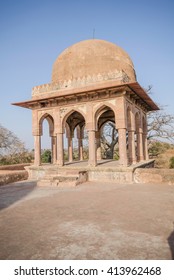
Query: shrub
point(156, 148)
point(17, 158)
point(46, 156)
point(172, 162)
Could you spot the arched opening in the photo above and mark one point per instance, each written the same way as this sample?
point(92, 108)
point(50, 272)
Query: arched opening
point(74, 125)
point(106, 134)
point(131, 137)
point(48, 140)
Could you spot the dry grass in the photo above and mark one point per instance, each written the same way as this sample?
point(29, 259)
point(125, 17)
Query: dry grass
point(163, 159)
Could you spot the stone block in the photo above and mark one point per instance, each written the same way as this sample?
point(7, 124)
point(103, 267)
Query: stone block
point(110, 176)
point(154, 175)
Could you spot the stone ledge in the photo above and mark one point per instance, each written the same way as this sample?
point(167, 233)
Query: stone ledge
point(120, 177)
point(20, 166)
point(154, 175)
point(138, 173)
point(7, 177)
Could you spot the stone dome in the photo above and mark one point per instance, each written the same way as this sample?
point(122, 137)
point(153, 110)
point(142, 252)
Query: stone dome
point(90, 58)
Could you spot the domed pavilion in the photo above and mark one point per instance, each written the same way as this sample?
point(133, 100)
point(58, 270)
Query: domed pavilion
point(93, 81)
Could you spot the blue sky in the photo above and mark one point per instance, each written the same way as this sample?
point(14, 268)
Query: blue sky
point(33, 33)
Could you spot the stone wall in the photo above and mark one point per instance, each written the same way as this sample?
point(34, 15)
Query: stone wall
point(14, 166)
point(154, 175)
point(145, 174)
point(13, 173)
point(110, 176)
point(7, 177)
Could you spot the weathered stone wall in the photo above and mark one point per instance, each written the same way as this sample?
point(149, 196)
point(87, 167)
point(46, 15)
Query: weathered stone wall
point(13, 173)
point(120, 175)
point(154, 175)
point(14, 166)
point(7, 177)
point(110, 176)
point(10, 174)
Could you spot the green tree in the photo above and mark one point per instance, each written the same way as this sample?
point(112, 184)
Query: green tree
point(46, 156)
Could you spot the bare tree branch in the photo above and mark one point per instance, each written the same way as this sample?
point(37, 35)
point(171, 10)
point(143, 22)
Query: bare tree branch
point(160, 125)
point(9, 142)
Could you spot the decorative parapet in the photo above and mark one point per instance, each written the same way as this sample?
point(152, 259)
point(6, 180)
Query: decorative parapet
point(80, 82)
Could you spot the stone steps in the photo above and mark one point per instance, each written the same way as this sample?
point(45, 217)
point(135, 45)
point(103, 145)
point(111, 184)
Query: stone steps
point(63, 178)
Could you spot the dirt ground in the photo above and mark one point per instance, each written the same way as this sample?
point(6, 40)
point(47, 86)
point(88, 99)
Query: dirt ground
point(91, 221)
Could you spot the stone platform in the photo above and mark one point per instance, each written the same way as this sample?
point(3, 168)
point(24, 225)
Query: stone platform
point(78, 172)
point(94, 221)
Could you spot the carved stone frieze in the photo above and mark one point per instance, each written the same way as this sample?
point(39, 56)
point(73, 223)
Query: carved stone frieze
point(80, 82)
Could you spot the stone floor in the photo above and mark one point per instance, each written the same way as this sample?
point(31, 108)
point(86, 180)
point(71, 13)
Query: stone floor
point(91, 221)
point(105, 164)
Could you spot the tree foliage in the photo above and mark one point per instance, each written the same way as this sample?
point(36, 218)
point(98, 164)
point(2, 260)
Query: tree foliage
point(156, 148)
point(172, 162)
point(46, 156)
point(12, 149)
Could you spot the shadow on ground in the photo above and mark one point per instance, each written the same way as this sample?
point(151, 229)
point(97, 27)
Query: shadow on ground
point(11, 193)
point(171, 243)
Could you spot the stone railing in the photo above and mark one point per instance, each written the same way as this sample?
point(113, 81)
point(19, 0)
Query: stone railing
point(80, 82)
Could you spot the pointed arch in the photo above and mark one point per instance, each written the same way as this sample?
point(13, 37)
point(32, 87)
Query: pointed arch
point(104, 113)
point(69, 113)
point(73, 122)
point(50, 121)
point(52, 139)
point(100, 110)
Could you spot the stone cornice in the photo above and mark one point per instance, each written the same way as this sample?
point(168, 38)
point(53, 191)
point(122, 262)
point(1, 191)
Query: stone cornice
point(104, 90)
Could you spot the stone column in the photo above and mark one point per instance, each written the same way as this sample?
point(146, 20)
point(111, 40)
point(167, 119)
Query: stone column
point(92, 148)
point(70, 149)
point(122, 146)
point(146, 155)
point(80, 148)
point(98, 145)
point(140, 145)
point(80, 136)
point(54, 150)
point(37, 150)
point(60, 160)
point(131, 146)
